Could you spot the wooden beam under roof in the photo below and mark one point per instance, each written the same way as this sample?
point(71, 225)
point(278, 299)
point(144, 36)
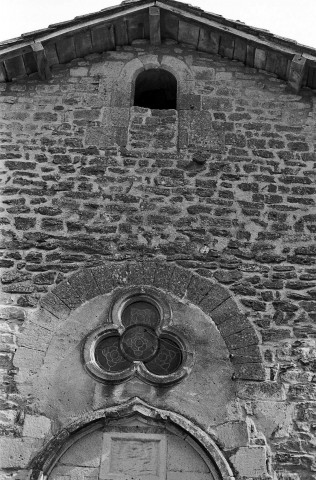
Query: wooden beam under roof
point(91, 23)
point(14, 51)
point(253, 39)
point(154, 26)
point(3, 73)
point(41, 61)
point(296, 72)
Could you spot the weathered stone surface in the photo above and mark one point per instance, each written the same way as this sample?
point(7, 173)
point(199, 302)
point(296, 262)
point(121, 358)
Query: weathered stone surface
point(249, 371)
point(163, 275)
point(250, 462)
point(261, 391)
point(28, 362)
point(84, 284)
point(55, 305)
point(179, 281)
point(36, 426)
point(233, 435)
point(103, 278)
point(86, 452)
point(16, 452)
point(275, 419)
point(227, 311)
point(215, 297)
point(241, 339)
point(247, 354)
point(67, 294)
point(35, 337)
point(198, 289)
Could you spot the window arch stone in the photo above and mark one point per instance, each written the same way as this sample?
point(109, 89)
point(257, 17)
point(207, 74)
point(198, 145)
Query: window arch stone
point(122, 95)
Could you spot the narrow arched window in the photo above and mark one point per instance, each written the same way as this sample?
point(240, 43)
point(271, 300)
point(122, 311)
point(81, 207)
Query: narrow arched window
point(156, 89)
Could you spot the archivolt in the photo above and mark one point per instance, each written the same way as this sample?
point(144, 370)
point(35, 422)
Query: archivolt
point(43, 463)
point(122, 90)
point(213, 299)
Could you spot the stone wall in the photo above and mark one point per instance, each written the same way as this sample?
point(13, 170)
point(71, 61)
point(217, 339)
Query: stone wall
point(223, 188)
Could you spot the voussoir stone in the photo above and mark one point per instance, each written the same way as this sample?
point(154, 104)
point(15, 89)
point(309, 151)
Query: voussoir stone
point(68, 294)
point(55, 305)
point(215, 297)
point(84, 283)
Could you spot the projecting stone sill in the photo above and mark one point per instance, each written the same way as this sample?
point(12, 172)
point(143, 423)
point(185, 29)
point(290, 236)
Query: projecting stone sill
point(153, 129)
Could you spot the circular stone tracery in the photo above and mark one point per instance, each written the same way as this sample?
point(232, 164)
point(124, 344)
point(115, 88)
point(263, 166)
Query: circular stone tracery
point(138, 345)
point(139, 342)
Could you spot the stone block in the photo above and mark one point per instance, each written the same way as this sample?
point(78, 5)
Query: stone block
point(103, 278)
point(45, 319)
point(84, 284)
point(248, 354)
point(246, 337)
point(198, 288)
point(78, 72)
point(119, 274)
point(7, 418)
point(261, 391)
point(36, 426)
point(249, 371)
point(16, 475)
point(232, 434)
point(275, 419)
point(149, 269)
point(35, 337)
point(67, 294)
point(120, 117)
point(179, 281)
point(149, 60)
point(16, 452)
point(214, 298)
point(250, 462)
point(189, 102)
point(226, 312)
point(136, 273)
point(95, 136)
point(163, 274)
point(12, 314)
point(233, 325)
point(54, 305)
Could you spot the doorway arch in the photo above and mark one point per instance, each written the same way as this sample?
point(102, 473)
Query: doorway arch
point(132, 441)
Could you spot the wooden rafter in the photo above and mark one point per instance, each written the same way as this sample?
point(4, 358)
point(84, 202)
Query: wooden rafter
point(41, 61)
point(253, 39)
point(296, 72)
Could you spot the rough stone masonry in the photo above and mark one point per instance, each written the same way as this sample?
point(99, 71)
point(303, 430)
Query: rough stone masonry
point(221, 189)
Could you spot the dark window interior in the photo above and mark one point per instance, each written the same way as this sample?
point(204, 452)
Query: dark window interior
point(156, 89)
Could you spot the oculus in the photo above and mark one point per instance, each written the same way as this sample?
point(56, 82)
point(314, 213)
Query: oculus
point(137, 339)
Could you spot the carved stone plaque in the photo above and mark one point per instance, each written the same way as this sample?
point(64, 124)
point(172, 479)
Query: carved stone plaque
point(133, 456)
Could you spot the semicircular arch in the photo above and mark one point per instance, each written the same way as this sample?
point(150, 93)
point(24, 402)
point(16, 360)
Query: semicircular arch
point(216, 301)
point(122, 92)
point(45, 461)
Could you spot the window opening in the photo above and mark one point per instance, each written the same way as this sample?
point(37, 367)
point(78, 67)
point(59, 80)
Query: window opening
point(156, 89)
point(138, 341)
